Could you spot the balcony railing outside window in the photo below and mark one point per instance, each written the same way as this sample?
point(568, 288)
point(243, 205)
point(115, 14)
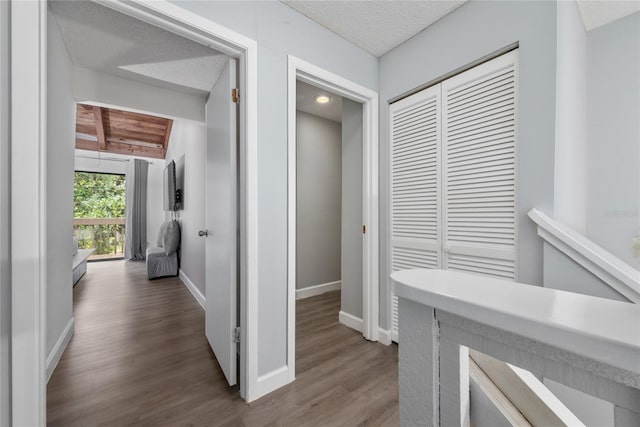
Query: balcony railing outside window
point(105, 235)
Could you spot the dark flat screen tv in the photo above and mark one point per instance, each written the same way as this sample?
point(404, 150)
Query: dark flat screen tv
point(171, 195)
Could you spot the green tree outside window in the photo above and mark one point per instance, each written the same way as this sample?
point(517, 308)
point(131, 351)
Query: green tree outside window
point(98, 195)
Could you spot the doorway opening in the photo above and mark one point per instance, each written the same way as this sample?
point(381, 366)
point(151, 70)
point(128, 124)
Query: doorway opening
point(30, 30)
point(329, 223)
point(198, 145)
point(324, 216)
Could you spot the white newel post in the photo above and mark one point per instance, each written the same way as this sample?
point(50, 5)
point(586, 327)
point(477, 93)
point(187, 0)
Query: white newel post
point(454, 384)
point(433, 373)
point(418, 374)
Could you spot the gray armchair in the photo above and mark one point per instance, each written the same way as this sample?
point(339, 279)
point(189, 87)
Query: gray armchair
point(164, 259)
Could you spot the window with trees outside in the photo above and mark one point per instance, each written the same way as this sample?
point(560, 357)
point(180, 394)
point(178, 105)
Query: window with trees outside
point(99, 213)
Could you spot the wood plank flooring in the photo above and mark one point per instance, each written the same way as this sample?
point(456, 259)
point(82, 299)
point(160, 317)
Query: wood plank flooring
point(139, 357)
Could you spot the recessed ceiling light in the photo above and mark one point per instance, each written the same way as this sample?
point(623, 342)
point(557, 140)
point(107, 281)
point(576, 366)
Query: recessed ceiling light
point(322, 99)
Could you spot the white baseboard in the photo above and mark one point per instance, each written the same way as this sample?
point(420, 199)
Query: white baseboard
point(353, 322)
point(193, 289)
point(270, 382)
point(56, 352)
point(311, 291)
point(350, 321)
point(384, 336)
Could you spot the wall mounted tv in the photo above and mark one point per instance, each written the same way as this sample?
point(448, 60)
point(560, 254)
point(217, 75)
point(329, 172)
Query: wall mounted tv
point(171, 194)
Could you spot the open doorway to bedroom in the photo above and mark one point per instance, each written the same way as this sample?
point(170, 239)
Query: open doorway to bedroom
point(140, 159)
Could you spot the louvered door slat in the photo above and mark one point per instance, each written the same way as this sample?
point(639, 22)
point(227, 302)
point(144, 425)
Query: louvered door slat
point(479, 158)
point(453, 175)
point(415, 185)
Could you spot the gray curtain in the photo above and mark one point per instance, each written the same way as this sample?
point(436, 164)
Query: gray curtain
point(136, 215)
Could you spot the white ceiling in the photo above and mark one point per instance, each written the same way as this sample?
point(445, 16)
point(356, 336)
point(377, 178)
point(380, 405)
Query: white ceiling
point(102, 39)
point(596, 13)
point(375, 26)
point(378, 26)
point(306, 102)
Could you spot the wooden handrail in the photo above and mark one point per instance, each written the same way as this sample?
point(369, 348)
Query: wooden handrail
point(98, 221)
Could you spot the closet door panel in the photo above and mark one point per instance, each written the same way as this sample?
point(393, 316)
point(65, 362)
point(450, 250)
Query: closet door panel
point(479, 135)
point(415, 185)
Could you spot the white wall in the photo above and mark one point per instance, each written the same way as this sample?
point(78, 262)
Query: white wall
point(94, 86)
point(187, 146)
point(279, 31)
point(570, 193)
point(5, 211)
point(61, 122)
point(351, 295)
point(319, 194)
point(155, 214)
point(613, 77)
point(561, 272)
point(469, 33)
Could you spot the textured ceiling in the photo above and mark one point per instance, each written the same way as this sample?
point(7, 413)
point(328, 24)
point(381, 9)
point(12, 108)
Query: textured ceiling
point(376, 26)
point(306, 102)
point(598, 13)
point(102, 39)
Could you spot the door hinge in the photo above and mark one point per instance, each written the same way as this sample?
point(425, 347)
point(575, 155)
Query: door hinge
point(235, 96)
point(235, 335)
point(364, 229)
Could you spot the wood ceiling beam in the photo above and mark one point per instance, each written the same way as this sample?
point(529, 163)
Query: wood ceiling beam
point(136, 136)
point(135, 142)
point(102, 140)
point(122, 148)
point(85, 144)
point(87, 130)
point(133, 150)
point(167, 135)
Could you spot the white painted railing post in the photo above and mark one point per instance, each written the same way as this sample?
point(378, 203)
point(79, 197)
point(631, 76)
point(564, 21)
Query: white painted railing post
point(454, 384)
point(587, 343)
point(418, 365)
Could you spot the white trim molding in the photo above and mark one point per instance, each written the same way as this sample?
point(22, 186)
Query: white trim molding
point(188, 283)
point(356, 323)
point(323, 79)
point(350, 321)
point(384, 336)
point(311, 291)
point(271, 381)
point(607, 267)
point(28, 212)
point(56, 352)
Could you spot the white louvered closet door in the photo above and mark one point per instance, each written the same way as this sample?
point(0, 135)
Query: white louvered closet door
point(415, 185)
point(479, 168)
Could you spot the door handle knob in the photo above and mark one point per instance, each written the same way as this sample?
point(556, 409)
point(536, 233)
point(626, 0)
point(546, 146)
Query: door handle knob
point(203, 233)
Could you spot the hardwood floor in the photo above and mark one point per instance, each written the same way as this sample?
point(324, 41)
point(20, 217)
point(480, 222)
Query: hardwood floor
point(139, 357)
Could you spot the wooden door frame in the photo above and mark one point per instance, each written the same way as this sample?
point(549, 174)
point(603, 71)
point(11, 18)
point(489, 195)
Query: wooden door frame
point(323, 79)
point(28, 188)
